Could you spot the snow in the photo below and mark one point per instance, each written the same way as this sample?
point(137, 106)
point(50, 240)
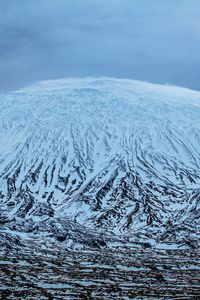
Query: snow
point(70, 144)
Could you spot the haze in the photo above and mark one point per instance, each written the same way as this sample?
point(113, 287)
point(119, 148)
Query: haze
point(151, 40)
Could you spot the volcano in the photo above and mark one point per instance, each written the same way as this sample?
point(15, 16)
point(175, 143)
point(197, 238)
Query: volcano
point(97, 163)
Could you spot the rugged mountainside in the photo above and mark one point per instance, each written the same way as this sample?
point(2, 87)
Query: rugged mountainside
point(97, 162)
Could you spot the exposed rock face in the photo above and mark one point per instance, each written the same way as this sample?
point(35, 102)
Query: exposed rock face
point(119, 157)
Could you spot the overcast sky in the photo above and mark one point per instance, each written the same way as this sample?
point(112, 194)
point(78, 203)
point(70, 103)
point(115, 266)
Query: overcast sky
point(151, 40)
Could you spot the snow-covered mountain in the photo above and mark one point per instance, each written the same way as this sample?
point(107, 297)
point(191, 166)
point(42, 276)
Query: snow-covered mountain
point(105, 158)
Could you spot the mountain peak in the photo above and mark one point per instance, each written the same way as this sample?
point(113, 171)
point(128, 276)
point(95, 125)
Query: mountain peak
point(116, 156)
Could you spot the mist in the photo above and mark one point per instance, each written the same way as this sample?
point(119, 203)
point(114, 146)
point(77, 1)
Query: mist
point(156, 41)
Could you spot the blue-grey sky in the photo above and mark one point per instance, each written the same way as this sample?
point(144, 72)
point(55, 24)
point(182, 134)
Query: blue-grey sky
point(151, 40)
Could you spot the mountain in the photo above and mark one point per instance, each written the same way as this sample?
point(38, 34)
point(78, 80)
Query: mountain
point(99, 161)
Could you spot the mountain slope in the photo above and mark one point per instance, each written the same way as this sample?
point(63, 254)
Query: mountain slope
point(104, 158)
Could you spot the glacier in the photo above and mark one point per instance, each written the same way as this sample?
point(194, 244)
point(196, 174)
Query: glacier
point(99, 190)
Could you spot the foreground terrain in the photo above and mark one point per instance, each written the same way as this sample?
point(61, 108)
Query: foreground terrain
point(48, 271)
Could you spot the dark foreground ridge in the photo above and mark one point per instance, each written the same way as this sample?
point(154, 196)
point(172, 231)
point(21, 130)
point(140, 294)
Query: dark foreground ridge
point(48, 271)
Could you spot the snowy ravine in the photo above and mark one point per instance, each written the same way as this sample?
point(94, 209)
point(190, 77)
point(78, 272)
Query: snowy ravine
point(95, 161)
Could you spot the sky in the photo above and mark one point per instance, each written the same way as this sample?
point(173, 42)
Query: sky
point(151, 40)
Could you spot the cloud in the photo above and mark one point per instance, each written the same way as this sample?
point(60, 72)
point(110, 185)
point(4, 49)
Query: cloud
point(155, 40)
